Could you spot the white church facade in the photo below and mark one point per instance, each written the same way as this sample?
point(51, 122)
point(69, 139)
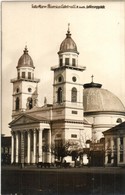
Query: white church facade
point(76, 115)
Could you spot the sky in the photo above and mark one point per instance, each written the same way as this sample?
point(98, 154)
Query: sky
point(98, 33)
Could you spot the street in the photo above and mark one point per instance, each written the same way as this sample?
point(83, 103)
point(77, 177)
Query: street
point(76, 181)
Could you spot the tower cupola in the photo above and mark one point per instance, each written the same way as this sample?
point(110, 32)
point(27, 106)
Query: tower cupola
point(68, 45)
point(25, 60)
point(68, 54)
point(25, 67)
point(25, 86)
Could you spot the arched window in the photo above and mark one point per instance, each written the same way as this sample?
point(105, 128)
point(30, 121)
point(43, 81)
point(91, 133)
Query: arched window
point(59, 95)
point(17, 103)
point(29, 103)
point(66, 61)
point(61, 61)
point(119, 120)
point(73, 62)
point(74, 95)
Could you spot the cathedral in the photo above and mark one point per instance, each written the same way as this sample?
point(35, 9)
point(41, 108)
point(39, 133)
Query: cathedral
point(80, 112)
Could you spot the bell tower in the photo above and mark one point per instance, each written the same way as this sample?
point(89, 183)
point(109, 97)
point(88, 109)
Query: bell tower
point(25, 86)
point(68, 80)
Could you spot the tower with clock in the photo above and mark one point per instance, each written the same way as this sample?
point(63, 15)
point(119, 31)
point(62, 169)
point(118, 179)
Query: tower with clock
point(25, 86)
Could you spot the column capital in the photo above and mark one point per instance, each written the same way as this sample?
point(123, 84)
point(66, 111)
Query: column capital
point(29, 130)
point(34, 131)
point(22, 132)
point(17, 132)
point(40, 129)
point(12, 132)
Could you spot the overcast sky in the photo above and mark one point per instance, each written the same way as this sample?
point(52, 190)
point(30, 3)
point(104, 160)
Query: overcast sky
point(98, 33)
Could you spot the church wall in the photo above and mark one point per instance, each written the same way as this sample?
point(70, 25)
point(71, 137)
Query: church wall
point(102, 123)
point(46, 114)
point(104, 118)
point(16, 85)
point(78, 135)
point(58, 113)
point(77, 84)
point(74, 113)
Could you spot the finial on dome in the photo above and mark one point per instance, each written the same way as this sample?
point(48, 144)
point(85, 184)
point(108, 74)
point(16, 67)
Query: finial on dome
point(68, 27)
point(68, 31)
point(92, 84)
point(92, 78)
point(25, 50)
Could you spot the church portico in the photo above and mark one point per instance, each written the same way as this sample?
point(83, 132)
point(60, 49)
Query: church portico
point(30, 140)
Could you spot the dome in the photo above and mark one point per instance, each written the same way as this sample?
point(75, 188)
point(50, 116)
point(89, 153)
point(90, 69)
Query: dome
point(25, 60)
point(97, 99)
point(68, 45)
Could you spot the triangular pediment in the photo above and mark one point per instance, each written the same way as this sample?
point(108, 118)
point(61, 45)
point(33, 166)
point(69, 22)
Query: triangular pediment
point(23, 120)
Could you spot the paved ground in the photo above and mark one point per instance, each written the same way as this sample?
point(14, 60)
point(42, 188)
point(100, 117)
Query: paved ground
point(75, 181)
point(111, 170)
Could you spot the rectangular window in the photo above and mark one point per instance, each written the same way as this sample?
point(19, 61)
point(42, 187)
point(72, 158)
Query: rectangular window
point(121, 149)
point(58, 143)
point(58, 135)
point(66, 61)
point(121, 156)
point(29, 75)
point(61, 62)
point(18, 75)
point(115, 144)
point(73, 62)
point(74, 112)
point(121, 140)
point(108, 143)
point(109, 158)
point(73, 136)
point(23, 75)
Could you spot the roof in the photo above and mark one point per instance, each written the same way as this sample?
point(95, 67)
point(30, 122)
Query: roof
point(28, 119)
point(96, 99)
point(25, 60)
point(68, 44)
point(115, 129)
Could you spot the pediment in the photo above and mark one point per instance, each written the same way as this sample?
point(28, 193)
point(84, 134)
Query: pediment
point(23, 120)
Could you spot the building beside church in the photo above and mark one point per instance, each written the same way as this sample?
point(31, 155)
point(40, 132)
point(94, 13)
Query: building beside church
point(115, 145)
point(5, 149)
point(76, 115)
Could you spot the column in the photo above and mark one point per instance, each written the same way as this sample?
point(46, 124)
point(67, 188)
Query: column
point(106, 153)
point(28, 146)
point(112, 151)
point(17, 147)
point(118, 150)
point(40, 145)
point(22, 148)
point(49, 143)
point(124, 149)
point(34, 146)
point(12, 147)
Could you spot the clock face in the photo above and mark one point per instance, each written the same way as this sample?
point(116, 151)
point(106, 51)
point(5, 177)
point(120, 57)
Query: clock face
point(29, 89)
point(74, 79)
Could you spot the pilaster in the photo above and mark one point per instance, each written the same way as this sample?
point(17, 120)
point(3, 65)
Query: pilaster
point(28, 146)
point(40, 145)
point(17, 147)
point(34, 146)
point(12, 146)
point(22, 148)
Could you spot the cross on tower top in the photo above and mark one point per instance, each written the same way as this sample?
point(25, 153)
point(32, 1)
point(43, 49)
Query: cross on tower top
point(68, 27)
point(92, 78)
